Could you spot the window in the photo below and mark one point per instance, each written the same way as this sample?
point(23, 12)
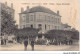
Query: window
point(23, 18)
point(39, 26)
point(58, 20)
point(31, 26)
point(45, 27)
point(45, 17)
point(58, 27)
point(23, 26)
point(39, 18)
point(52, 26)
point(52, 20)
point(55, 20)
point(55, 27)
point(49, 18)
point(49, 27)
point(31, 17)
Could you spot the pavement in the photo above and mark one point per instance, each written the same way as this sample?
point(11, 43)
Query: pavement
point(20, 47)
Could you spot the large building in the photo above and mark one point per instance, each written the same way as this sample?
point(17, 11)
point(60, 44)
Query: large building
point(9, 10)
point(40, 17)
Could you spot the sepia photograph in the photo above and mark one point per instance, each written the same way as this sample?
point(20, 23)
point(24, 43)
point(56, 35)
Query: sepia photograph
point(40, 25)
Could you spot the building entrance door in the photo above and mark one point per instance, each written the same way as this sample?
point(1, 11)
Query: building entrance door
point(40, 26)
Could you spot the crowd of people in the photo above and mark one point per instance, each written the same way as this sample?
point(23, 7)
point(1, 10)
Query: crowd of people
point(31, 42)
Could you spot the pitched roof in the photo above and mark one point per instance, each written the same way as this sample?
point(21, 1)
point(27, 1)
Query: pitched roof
point(66, 25)
point(40, 9)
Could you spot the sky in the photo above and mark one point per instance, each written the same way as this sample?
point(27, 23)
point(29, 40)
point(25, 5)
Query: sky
point(69, 9)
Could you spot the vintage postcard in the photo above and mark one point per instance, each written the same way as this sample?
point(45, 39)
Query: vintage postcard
point(39, 25)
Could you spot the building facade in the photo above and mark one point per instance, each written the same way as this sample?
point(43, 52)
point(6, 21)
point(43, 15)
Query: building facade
point(40, 17)
point(8, 9)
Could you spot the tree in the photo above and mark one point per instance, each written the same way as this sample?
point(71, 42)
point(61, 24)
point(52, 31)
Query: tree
point(57, 35)
point(7, 23)
point(61, 35)
point(75, 35)
point(26, 33)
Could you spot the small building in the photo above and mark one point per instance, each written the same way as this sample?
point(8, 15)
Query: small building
point(66, 27)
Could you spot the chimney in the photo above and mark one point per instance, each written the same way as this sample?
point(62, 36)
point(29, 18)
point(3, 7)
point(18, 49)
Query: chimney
point(58, 12)
point(27, 7)
point(22, 9)
point(5, 3)
point(12, 5)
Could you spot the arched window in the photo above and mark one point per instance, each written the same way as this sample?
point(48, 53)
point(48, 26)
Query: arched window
point(39, 26)
point(31, 26)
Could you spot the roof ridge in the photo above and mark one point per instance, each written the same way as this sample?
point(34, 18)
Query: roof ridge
point(40, 9)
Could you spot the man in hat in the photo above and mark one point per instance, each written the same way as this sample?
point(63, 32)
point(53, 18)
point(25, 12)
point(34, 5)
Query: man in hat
point(25, 44)
point(32, 45)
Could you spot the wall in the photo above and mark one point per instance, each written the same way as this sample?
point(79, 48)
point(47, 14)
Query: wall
point(42, 18)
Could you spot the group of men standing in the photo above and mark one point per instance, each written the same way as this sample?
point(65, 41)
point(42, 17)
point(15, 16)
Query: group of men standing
point(26, 43)
point(3, 40)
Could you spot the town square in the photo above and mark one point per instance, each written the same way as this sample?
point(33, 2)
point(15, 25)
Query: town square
point(26, 27)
